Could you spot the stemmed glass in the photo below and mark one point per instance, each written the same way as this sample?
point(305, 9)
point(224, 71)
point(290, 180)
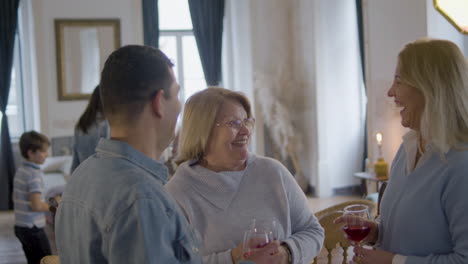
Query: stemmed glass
point(261, 233)
point(269, 226)
point(254, 239)
point(356, 222)
point(356, 225)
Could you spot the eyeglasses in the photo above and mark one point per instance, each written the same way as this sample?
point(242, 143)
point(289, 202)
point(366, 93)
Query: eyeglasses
point(238, 123)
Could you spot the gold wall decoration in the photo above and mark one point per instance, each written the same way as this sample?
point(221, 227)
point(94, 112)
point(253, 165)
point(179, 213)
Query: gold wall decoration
point(455, 11)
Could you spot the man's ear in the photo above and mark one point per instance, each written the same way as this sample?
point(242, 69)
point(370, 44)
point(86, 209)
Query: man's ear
point(157, 104)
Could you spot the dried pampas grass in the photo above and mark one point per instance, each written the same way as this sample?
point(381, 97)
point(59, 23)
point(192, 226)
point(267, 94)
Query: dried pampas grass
point(275, 114)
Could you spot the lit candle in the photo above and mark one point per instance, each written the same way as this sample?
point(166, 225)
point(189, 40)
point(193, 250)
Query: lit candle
point(380, 167)
point(379, 137)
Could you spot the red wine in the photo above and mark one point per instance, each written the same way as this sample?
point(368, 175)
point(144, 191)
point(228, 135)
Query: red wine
point(357, 234)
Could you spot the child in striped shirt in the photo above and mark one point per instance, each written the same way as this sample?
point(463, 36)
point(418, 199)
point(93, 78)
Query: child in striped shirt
point(29, 207)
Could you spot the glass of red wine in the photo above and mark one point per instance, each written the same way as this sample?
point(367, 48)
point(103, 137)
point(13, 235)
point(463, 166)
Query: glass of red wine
point(357, 219)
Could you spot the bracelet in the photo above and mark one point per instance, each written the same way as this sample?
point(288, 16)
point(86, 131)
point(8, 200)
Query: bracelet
point(288, 250)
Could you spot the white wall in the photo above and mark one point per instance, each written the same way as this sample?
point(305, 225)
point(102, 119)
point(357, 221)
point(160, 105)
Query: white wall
point(305, 65)
point(339, 95)
point(296, 45)
point(389, 25)
point(59, 117)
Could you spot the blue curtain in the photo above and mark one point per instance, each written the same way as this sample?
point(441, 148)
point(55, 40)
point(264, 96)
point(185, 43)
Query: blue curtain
point(207, 19)
point(151, 22)
point(8, 24)
point(360, 23)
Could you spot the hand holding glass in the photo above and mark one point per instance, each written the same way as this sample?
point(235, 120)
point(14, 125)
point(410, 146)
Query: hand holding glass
point(253, 240)
point(261, 233)
point(356, 219)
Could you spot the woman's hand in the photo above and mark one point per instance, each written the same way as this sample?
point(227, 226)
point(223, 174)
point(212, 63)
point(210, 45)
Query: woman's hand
point(58, 198)
point(374, 228)
point(272, 253)
point(284, 255)
point(236, 253)
point(372, 256)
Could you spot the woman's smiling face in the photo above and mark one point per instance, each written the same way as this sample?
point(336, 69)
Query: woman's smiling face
point(227, 145)
point(410, 99)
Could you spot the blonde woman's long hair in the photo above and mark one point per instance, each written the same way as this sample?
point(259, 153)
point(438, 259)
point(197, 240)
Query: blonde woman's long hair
point(440, 71)
point(199, 119)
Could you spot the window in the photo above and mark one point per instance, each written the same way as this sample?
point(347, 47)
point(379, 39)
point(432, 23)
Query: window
point(177, 41)
point(15, 109)
point(22, 108)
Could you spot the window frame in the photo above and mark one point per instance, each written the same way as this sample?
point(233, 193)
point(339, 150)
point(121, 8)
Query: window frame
point(25, 64)
point(179, 64)
point(18, 87)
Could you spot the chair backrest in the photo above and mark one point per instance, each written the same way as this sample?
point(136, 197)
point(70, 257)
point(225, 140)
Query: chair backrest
point(333, 233)
point(52, 259)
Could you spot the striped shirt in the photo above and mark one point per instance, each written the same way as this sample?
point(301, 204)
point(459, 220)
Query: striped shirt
point(28, 179)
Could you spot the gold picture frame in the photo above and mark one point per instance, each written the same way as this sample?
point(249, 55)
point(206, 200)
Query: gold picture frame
point(454, 13)
point(82, 46)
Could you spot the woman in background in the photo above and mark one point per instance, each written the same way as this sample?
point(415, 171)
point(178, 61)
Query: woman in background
point(222, 187)
point(90, 128)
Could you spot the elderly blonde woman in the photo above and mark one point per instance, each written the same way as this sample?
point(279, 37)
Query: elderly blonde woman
point(424, 213)
point(221, 186)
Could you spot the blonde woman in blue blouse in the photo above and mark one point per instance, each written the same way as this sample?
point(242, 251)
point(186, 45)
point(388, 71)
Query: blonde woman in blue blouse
point(424, 211)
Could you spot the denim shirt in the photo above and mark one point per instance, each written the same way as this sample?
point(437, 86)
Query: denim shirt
point(115, 210)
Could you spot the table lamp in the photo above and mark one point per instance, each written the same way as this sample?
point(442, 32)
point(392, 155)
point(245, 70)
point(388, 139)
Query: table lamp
point(380, 167)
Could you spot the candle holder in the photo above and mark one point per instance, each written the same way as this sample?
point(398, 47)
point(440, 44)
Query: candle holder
point(380, 167)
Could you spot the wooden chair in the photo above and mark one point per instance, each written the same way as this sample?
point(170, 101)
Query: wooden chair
point(52, 259)
point(333, 233)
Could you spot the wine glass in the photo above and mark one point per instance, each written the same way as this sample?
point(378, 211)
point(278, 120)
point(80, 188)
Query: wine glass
point(254, 239)
point(356, 222)
point(270, 226)
point(356, 225)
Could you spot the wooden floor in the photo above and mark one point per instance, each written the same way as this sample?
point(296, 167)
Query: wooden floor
point(12, 253)
point(10, 247)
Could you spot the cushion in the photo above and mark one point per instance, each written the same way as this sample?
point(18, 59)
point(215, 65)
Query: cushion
point(57, 164)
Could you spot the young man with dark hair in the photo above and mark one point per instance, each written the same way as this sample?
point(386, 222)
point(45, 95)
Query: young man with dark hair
point(114, 208)
point(28, 185)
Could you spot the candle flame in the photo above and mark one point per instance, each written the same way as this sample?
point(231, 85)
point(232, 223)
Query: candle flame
point(379, 137)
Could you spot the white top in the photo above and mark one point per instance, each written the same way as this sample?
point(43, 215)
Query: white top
point(222, 205)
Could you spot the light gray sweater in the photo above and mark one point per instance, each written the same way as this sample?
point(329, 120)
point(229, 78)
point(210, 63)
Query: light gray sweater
point(222, 205)
point(424, 213)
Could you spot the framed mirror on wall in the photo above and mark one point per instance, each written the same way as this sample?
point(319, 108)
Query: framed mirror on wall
point(82, 46)
point(455, 11)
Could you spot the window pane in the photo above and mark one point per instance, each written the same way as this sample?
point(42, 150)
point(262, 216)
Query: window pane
point(194, 79)
point(14, 107)
point(192, 86)
point(174, 15)
point(168, 45)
